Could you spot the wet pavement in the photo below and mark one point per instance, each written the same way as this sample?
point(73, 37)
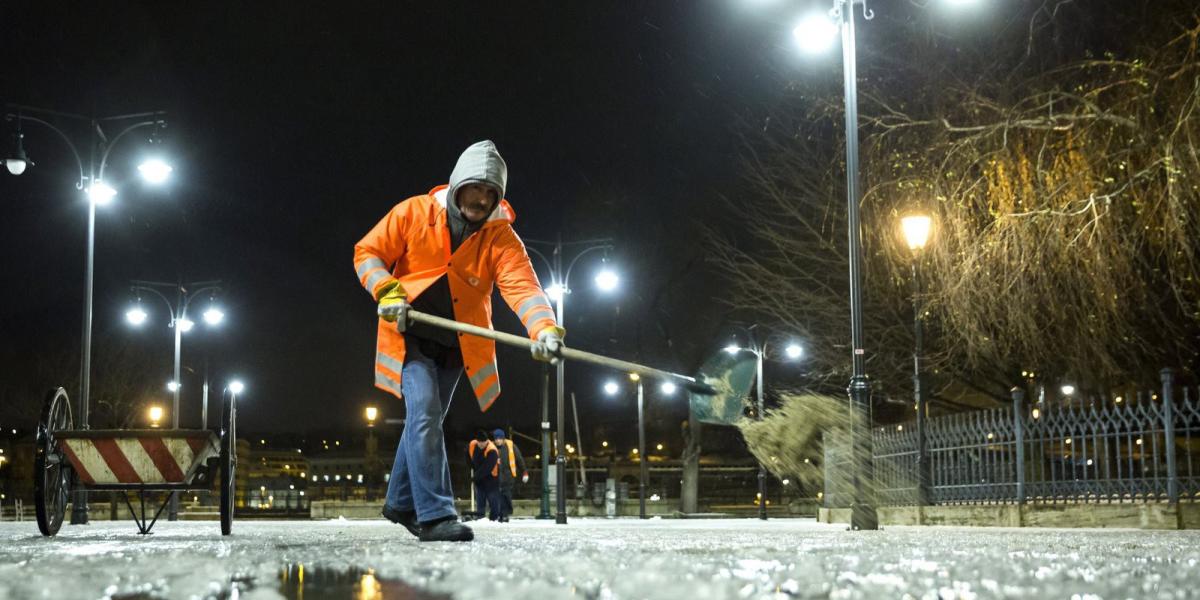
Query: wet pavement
point(594, 558)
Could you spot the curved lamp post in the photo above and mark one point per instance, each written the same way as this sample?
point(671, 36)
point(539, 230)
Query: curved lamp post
point(180, 322)
point(607, 280)
point(667, 388)
point(792, 351)
point(97, 192)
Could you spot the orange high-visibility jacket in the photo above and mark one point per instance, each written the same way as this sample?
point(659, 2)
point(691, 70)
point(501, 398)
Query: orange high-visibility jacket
point(411, 244)
point(487, 446)
point(512, 457)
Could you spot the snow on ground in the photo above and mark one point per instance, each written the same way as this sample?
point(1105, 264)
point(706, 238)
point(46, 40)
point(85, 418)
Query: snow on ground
point(594, 558)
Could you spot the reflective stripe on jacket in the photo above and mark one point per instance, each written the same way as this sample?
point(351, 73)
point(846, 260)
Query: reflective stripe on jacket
point(411, 244)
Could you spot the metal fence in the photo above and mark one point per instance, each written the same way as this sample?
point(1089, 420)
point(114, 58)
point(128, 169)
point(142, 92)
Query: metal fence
point(1141, 447)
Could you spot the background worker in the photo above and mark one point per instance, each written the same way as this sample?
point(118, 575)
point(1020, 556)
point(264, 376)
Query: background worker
point(511, 463)
point(485, 461)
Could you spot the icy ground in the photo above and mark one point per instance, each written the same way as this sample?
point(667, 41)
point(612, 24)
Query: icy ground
point(592, 558)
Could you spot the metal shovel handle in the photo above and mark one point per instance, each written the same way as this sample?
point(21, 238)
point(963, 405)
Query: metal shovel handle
point(566, 353)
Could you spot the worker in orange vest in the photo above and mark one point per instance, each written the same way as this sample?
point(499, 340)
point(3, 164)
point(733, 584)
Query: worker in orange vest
point(511, 463)
point(443, 252)
point(484, 459)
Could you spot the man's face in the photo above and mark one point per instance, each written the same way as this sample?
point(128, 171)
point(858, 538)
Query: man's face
point(476, 201)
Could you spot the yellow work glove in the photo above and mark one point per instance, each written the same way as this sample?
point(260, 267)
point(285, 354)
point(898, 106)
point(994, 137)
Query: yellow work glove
point(393, 305)
point(549, 344)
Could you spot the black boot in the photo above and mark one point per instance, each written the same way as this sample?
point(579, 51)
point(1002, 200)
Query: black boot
point(408, 519)
point(447, 529)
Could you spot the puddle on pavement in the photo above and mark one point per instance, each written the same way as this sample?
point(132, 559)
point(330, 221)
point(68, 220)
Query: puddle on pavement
point(304, 582)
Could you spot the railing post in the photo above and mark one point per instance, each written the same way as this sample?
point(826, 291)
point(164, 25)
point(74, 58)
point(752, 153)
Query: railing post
point(1168, 416)
point(1018, 404)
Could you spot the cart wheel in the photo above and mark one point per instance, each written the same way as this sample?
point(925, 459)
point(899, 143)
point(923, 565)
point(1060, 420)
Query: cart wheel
point(228, 459)
point(51, 471)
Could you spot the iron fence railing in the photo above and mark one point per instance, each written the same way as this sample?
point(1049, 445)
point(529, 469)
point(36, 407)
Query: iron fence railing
point(1140, 447)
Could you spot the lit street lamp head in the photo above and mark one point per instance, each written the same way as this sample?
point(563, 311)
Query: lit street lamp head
point(607, 280)
point(611, 388)
point(136, 316)
point(236, 386)
point(155, 413)
point(155, 170)
point(172, 386)
point(732, 349)
point(213, 316)
point(101, 193)
point(556, 291)
point(793, 351)
point(371, 413)
point(185, 325)
point(16, 161)
point(916, 230)
point(668, 388)
point(816, 33)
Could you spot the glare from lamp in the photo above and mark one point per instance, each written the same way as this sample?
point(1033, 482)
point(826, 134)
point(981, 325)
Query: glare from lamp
point(611, 388)
point(101, 193)
point(916, 230)
point(213, 315)
point(185, 325)
point(136, 316)
point(816, 33)
point(155, 170)
point(607, 280)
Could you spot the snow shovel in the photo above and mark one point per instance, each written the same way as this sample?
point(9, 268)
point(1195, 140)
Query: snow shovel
point(701, 387)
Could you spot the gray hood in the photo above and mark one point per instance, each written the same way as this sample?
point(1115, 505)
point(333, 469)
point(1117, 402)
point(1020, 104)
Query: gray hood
point(479, 163)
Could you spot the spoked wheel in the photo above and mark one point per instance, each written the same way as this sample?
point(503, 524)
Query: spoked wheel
point(228, 459)
point(51, 472)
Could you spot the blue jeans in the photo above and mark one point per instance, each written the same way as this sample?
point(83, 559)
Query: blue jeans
point(420, 478)
point(487, 496)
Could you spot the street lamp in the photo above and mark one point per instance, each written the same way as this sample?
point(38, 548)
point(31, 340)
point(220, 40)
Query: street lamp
point(793, 351)
point(236, 387)
point(101, 143)
point(916, 228)
point(558, 291)
point(179, 322)
point(371, 413)
point(812, 31)
point(611, 388)
point(155, 414)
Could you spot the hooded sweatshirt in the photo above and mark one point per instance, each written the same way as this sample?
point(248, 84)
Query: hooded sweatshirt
point(480, 163)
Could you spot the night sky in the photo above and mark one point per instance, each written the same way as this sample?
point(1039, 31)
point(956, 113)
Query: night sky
point(293, 128)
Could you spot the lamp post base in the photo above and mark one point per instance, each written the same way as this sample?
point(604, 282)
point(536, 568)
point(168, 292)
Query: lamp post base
point(863, 517)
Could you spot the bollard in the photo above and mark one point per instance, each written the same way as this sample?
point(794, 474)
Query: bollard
point(1018, 403)
point(1168, 416)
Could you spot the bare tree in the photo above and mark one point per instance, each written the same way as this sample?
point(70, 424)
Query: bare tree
point(1065, 205)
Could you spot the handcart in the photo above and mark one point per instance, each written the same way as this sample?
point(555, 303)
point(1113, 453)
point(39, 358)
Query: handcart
point(129, 460)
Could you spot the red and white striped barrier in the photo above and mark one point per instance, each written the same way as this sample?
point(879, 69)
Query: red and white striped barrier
point(165, 459)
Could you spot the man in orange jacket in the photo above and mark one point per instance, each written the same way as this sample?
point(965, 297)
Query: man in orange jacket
point(443, 251)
